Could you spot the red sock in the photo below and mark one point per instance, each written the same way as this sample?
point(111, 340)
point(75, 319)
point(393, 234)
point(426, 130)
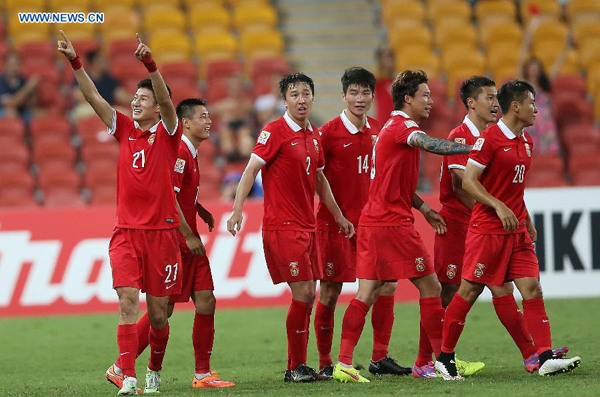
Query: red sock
point(454, 322)
point(512, 319)
point(425, 350)
point(158, 344)
point(127, 341)
point(143, 329)
point(432, 315)
point(297, 328)
point(382, 319)
point(538, 324)
point(352, 326)
point(324, 317)
point(203, 336)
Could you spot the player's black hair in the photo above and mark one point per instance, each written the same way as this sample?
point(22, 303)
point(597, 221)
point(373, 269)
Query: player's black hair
point(293, 79)
point(473, 86)
point(147, 83)
point(515, 90)
point(406, 83)
point(186, 108)
point(359, 76)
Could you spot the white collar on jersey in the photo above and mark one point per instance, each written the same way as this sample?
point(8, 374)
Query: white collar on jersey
point(506, 131)
point(471, 125)
point(189, 145)
point(348, 124)
point(295, 127)
point(400, 113)
point(152, 129)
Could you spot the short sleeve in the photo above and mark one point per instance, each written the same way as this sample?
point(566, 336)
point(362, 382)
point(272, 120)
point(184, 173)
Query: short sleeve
point(457, 161)
point(405, 130)
point(176, 131)
point(266, 148)
point(120, 123)
point(180, 167)
point(482, 152)
point(321, 157)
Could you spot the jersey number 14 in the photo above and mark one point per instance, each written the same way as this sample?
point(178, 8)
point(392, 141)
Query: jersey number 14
point(363, 164)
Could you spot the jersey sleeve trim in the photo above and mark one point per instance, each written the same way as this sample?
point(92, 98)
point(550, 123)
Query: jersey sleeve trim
point(412, 134)
point(456, 166)
point(260, 160)
point(321, 168)
point(477, 164)
point(171, 133)
point(113, 127)
point(176, 189)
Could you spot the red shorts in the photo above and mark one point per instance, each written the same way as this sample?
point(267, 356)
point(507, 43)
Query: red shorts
point(391, 253)
point(494, 259)
point(449, 252)
point(337, 256)
point(196, 274)
point(146, 259)
point(291, 255)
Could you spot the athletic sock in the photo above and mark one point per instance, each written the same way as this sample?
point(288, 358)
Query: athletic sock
point(352, 326)
point(143, 329)
point(538, 324)
point(324, 318)
point(510, 316)
point(297, 327)
point(158, 345)
point(203, 336)
point(382, 319)
point(425, 350)
point(432, 315)
point(454, 323)
point(127, 340)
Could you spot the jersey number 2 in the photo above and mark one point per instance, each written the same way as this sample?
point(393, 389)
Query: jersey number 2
point(139, 159)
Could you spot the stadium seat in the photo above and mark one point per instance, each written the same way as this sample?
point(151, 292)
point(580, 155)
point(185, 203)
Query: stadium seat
point(448, 33)
point(401, 36)
point(565, 84)
point(165, 17)
point(92, 129)
point(221, 69)
point(119, 17)
point(217, 90)
point(50, 125)
point(17, 197)
point(97, 151)
point(419, 59)
point(17, 158)
point(578, 11)
point(254, 17)
point(403, 12)
point(60, 5)
point(128, 70)
point(131, 4)
point(34, 35)
point(206, 17)
point(183, 90)
point(121, 48)
point(548, 53)
point(23, 180)
point(453, 57)
point(170, 47)
point(61, 197)
point(509, 33)
point(549, 9)
point(207, 151)
point(268, 67)
point(261, 42)
point(41, 52)
point(495, 11)
point(583, 31)
point(53, 153)
point(12, 126)
point(550, 32)
point(59, 178)
point(450, 10)
point(503, 57)
point(216, 46)
point(179, 71)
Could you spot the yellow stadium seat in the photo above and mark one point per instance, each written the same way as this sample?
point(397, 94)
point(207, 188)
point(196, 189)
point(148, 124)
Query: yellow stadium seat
point(510, 33)
point(583, 10)
point(550, 9)
point(504, 73)
point(458, 75)
point(584, 31)
point(495, 10)
point(80, 30)
point(13, 6)
point(447, 33)
point(247, 17)
point(415, 59)
point(458, 10)
point(203, 17)
point(236, 3)
point(502, 56)
point(405, 12)
point(111, 3)
point(122, 32)
point(262, 41)
point(593, 80)
point(216, 46)
point(402, 36)
point(15, 28)
point(170, 47)
point(165, 17)
point(189, 4)
point(462, 56)
point(120, 18)
point(27, 36)
point(589, 53)
point(550, 32)
point(549, 52)
point(69, 5)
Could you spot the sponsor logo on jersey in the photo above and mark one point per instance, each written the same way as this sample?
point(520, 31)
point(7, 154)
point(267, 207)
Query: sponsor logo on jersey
point(451, 271)
point(462, 141)
point(151, 139)
point(527, 149)
point(420, 264)
point(294, 271)
point(479, 268)
point(264, 137)
point(180, 165)
point(316, 145)
point(329, 269)
point(478, 144)
point(411, 124)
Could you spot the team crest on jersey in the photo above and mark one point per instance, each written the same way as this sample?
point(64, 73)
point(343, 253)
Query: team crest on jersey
point(527, 149)
point(410, 123)
point(420, 264)
point(294, 270)
point(316, 145)
point(462, 141)
point(180, 165)
point(451, 271)
point(329, 269)
point(151, 139)
point(264, 137)
point(479, 268)
point(479, 144)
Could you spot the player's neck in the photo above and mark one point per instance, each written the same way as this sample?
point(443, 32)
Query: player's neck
point(195, 141)
point(302, 123)
point(410, 113)
point(145, 125)
point(514, 124)
point(358, 121)
point(480, 123)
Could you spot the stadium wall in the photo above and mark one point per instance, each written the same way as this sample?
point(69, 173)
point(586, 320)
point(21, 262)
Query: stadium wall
point(55, 261)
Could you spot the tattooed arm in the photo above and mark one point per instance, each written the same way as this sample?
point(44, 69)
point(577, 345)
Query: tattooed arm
point(438, 146)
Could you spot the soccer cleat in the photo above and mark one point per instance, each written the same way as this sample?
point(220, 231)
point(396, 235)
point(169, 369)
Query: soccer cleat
point(317, 375)
point(326, 372)
point(388, 366)
point(447, 370)
point(129, 387)
point(210, 381)
point(345, 375)
point(116, 379)
point(424, 371)
point(301, 374)
point(468, 368)
point(532, 363)
point(555, 366)
point(152, 382)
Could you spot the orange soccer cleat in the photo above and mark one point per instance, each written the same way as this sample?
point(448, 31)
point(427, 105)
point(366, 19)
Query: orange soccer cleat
point(116, 379)
point(211, 381)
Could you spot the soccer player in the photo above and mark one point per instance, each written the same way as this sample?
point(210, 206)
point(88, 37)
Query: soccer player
point(347, 143)
point(389, 247)
point(144, 248)
point(499, 243)
point(290, 154)
point(195, 268)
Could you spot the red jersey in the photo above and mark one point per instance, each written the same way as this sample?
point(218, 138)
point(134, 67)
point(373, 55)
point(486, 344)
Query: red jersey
point(186, 180)
point(291, 157)
point(145, 198)
point(394, 174)
point(505, 159)
point(347, 168)
point(466, 134)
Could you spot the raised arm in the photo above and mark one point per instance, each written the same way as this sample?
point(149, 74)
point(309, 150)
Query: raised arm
point(86, 85)
point(326, 195)
point(167, 109)
point(234, 223)
point(438, 146)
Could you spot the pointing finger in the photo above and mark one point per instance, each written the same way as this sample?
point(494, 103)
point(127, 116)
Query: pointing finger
point(64, 36)
point(139, 40)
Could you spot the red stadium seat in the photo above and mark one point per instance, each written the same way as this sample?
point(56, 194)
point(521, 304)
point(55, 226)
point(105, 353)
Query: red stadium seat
point(92, 129)
point(63, 197)
point(217, 70)
point(182, 90)
point(583, 162)
point(55, 152)
point(546, 171)
point(207, 151)
point(586, 177)
point(18, 153)
point(11, 179)
point(50, 125)
point(269, 66)
point(42, 52)
point(217, 90)
point(184, 71)
point(569, 84)
point(54, 178)
point(12, 126)
point(17, 197)
point(128, 69)
point(121, 48)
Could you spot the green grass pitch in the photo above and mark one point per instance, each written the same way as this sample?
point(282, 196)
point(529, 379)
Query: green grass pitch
point(67, 356)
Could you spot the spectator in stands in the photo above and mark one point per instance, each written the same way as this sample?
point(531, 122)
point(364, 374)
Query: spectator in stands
point(17, 93)
point(269, 107)
point(237, 130)
point(108, 86)
point(230, 183)
point(386, 71)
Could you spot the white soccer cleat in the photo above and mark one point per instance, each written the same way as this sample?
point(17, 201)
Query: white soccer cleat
point(445, 372)
point(129, 387)
point(152, 382)
point(555, 366)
